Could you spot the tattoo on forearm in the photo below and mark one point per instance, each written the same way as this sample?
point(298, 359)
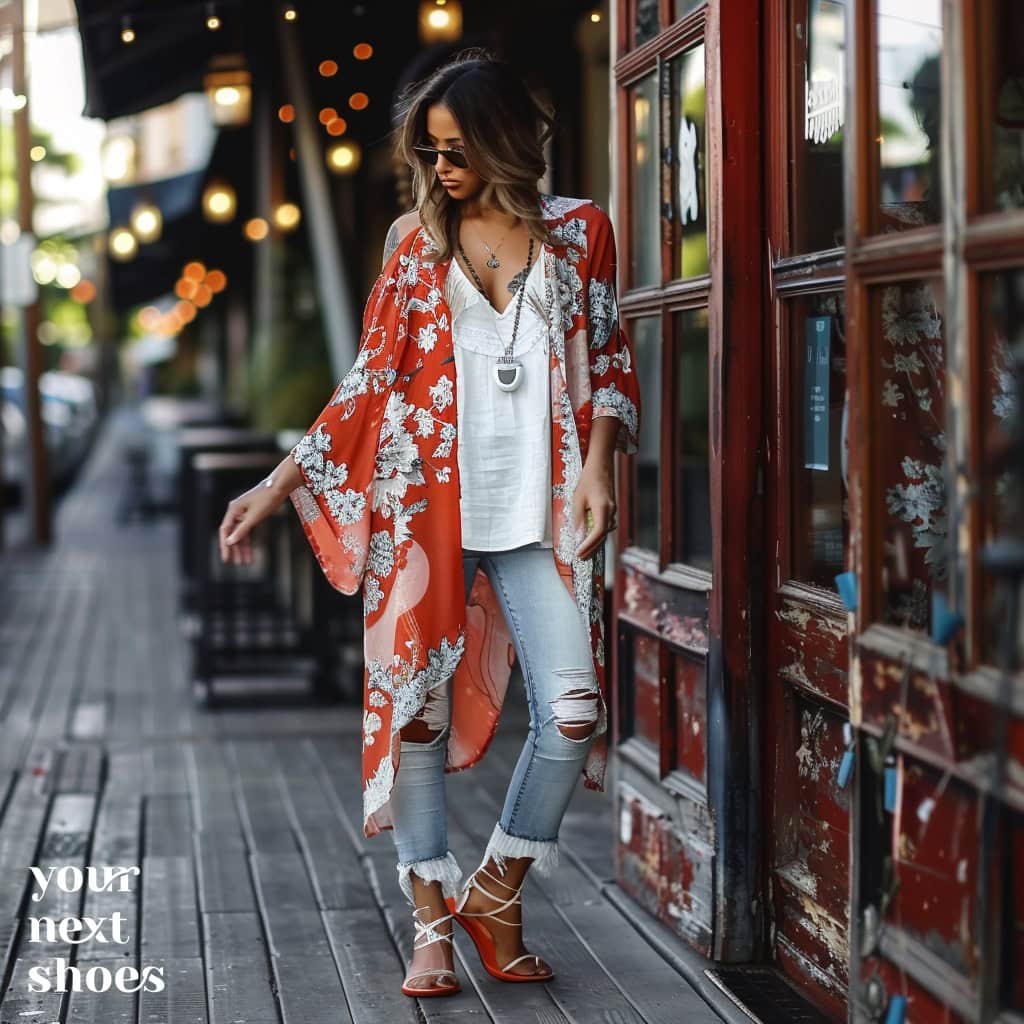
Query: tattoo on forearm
point(390, 243)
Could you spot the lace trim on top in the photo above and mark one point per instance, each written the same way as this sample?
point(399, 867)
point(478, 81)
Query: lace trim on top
point(479, 327)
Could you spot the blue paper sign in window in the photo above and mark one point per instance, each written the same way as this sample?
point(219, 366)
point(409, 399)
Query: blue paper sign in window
point(816, 377)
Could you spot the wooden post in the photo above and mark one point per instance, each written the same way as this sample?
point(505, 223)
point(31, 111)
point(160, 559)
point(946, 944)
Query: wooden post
point(268, 189)
point(36, 485)
point(341, 320)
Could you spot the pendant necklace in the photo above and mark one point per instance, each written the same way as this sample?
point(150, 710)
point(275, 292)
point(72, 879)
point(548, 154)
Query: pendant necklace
point(508, 371)
point(492, 261)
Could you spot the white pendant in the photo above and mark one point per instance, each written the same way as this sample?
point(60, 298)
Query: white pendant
point(508, 374)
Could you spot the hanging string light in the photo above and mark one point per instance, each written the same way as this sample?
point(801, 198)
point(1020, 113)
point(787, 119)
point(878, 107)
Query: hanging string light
point(287, 216)
point(219, 202)
point(127, 32)
point(256, 229)
point(440, 20)
point(344, 157)
point(212, 20)
point(147, 222)
point(123, 245)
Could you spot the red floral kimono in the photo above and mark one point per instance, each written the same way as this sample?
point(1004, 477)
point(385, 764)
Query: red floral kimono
point(380, 502)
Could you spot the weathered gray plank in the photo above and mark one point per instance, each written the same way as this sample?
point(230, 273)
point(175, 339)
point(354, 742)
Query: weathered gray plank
point(370, 968)
point(224, 882)
point(168, 826)
point(310, 990)
point(80, 770)
point(239, 979)
point(170, 918)
point(110, 1007)
point(21, 1002)
point(183, 998)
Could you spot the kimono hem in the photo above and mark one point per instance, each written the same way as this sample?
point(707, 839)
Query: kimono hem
point(380, 500)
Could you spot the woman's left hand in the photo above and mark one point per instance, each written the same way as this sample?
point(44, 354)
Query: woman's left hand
point(595, 491)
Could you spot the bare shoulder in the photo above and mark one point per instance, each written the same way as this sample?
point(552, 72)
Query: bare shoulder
point(401, 227)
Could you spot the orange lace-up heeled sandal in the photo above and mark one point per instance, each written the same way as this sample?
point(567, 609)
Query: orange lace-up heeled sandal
point(426, 935)
point(482, 939)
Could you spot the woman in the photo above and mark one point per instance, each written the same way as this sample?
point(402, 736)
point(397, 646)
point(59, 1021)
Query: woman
point(451, 476)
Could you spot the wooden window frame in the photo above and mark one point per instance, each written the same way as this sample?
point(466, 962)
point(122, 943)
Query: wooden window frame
point(671, 295)
point(974, 242)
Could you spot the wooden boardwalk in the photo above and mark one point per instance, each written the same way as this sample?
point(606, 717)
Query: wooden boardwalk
point(258, 896)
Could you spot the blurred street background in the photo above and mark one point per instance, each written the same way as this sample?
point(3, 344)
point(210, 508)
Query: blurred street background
point(815, 800)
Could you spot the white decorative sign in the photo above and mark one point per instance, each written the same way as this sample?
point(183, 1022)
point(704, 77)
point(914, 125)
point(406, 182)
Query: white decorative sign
point(689, 197)
point(824, 113)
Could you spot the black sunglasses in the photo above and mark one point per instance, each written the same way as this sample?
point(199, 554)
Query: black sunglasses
point(429, 155)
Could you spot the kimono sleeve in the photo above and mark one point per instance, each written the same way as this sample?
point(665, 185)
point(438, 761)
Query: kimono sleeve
point(614, 388)
point(337, 458)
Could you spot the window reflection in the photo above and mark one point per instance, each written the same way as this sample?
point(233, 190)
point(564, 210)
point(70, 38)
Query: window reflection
point(691, 505)
point(1007, 92)
point(646, 335)
point(645, 219)
point(909, 401)
point(909, 45)
point(1002, 489)
point(820, 511)
point(645, 21)
point(818, 48)
point(688, 135)
point(680, 8)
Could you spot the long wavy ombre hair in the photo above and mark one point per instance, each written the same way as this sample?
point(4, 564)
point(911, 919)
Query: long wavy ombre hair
point(503, 132)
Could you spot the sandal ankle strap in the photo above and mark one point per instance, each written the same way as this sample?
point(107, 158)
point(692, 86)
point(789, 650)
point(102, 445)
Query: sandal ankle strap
point(428, 929)
point(515, 898)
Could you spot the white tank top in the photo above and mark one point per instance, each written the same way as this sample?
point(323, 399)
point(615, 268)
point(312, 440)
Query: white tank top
point(504, 449)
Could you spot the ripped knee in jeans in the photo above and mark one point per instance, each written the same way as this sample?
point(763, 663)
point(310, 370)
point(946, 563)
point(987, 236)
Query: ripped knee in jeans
point(431, 722)
point(575, 710)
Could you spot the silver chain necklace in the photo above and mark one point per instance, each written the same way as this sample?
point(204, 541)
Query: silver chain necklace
point(492, 261)
point(508, 371)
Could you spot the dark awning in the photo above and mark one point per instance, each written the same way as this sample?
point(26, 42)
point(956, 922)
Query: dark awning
point(156, 265)
point(186, 234)
point(168, 57)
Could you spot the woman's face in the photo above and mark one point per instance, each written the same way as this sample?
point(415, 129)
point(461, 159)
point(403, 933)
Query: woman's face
point(443, 133)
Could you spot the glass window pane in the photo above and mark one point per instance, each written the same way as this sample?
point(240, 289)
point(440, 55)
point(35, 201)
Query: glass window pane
point(1005, 69)
point(909, 401)
point(645, 21)
point(645, 333)
point(1002, 490)
point(819, 49)
point(680, 8)
point(645, 218)
point(691, 505)
point(909, 45)
point(819, 507)
point(689, 143)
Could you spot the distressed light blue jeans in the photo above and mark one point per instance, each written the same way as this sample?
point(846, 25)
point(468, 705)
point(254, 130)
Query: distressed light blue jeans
point(553, 648)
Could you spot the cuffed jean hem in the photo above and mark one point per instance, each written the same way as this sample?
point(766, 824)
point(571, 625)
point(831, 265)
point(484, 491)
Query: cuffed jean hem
point(444, 869)
point(501, 845)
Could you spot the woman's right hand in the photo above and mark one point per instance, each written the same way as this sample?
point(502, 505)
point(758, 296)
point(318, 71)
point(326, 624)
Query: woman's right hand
point(242, 515)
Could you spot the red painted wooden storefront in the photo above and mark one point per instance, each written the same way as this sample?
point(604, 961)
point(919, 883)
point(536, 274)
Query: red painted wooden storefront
point(819, 207)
